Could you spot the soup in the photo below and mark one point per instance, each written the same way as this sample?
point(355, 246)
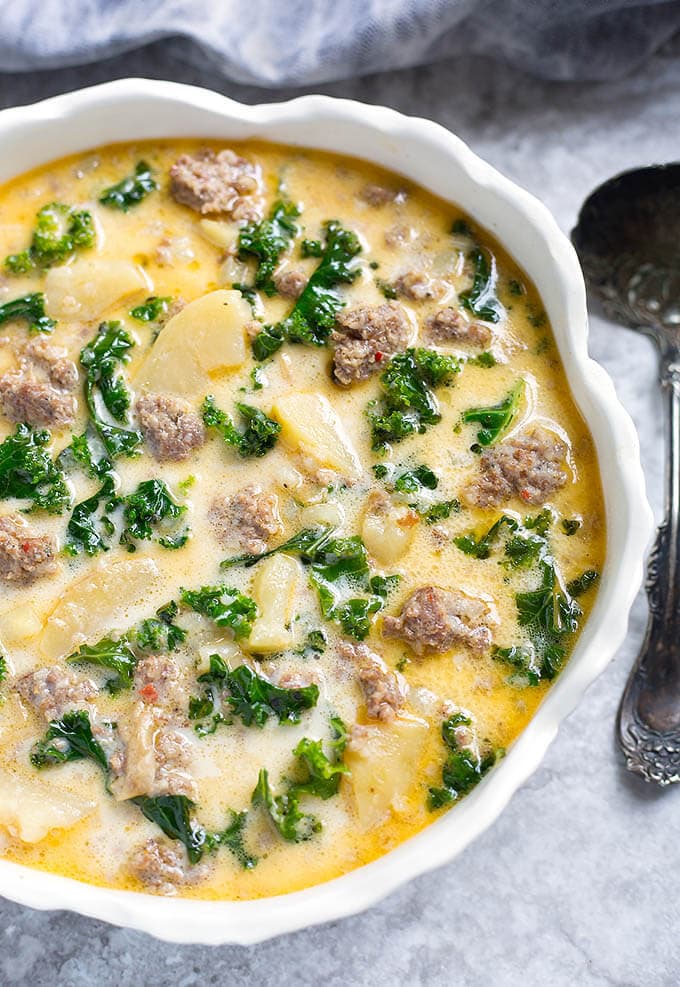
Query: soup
point(298, 519)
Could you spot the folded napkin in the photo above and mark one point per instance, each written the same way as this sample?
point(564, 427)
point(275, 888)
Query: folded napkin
point(290, 42)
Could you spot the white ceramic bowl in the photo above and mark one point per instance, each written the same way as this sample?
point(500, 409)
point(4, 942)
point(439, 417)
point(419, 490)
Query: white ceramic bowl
point(427, 154)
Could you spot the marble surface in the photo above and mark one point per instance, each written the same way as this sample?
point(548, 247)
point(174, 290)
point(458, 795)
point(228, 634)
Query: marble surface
point(576, 883)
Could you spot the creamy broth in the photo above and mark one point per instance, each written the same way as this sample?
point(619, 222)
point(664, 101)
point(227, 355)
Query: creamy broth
point(473, 659)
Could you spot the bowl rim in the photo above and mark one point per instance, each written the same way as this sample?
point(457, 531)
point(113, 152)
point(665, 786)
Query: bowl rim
point(408, 140)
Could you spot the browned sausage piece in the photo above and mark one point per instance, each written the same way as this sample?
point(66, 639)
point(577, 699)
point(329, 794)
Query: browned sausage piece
point(24, 554)
point(247, 520)
point(52, 691)
point(528, 465)
point(448, 325)
point(40, 391)
point(433, 620)
point(171, 427)
point(384, 691)
point(364, 336)
point(215, 183)
point(164, 866)
point(290, 282)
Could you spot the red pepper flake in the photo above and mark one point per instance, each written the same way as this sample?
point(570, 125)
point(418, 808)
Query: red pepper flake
point(525, 494)
point(26, 547)
point(149, 693)
point(378, 357)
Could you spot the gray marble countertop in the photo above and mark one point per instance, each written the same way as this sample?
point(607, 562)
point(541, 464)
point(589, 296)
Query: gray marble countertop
point(576, 883)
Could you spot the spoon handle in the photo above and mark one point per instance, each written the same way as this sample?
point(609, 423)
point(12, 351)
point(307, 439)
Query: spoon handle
point(649, 714)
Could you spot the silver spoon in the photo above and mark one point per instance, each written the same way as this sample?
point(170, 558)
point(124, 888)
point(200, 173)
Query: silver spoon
point(628, 240)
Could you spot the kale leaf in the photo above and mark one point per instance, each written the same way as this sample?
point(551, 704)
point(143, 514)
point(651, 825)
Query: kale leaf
point(79, 453)
point(479, 546)
point(149, 507)
point(481, 298)
point(152, 309)
point(267, 240)
point(260, 435)
point(130, 190)
point(102, 359)
point(408, 401)
point(172, 814)
point(498, 418)
point(59, 231)
point(284, 811)
point(28, 473)
point(415, 480)
point(312, 319)
point(464, 767)
point(207, 708)
point(68, 739)
point(232, 838)
point(4, 671)
point(160, 633)
point(114, 655)
point(305, 543)
point(88, 530)
point(226, 606)
point(440, 511)
point(254, 699)
point(30, 308)
point(325, 774)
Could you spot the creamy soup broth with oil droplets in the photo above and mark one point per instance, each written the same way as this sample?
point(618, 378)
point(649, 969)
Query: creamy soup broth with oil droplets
point(298, 518)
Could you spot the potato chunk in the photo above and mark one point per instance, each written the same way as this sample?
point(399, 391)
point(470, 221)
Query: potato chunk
point(30, 812)
point(387, 529)
point(384, 763)
point(206, 338)
point(95, 604)
point(88, 287)
point(274, 589)
point(311, 427)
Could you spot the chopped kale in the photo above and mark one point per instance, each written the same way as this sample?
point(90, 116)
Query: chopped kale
point(90, 528)
point(305, 543)
point(314, 646)
point(571, 525)
point(207, 708)
point(485, 359)
point(460, 227)
point(28, 473)
point(311, 248)
point(79, 453)
point(257, 380)
point(464, 766)
point(254, 699)
point(231, 837)
point(4, 671)
point(582, 583)
point(312, 318)
point(481, 298)
point(68, 739)
point(153, 309)
point(260, 435)
point(151, 506)
point(386, 289)
point(248, 293)
point(408, 401)
point(440, 511)
point(172, 814)
point(324, 773)
point(498, 418)
point(130, 190)
point(114, 655)
point(160, 633)
point(267, 240)
point(479, 546)
point(101, 360)
point(59, 231)
point(525, 546)
point(225, 606)
point(30, 309)
point(415, 480)
point(284, 811)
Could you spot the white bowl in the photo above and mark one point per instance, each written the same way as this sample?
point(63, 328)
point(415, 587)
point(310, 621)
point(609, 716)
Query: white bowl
point(426, 153)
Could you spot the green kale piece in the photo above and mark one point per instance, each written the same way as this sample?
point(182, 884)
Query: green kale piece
point(30, 308)
point(312, 318)
point(130, 190)
point(101, 360)
point(498, 418)
point(153, 309)
point(90, 528)
point(149, 507)
point(28, 473)
point(481, 298)
point(571, 525)
point(225, 606)
point(59, 231)
point(305, 543)
point(79, 453)
point(267, 240)
point(232, 837)
point(464, 766)
point(114, 655)
point(207, 708)
point(284, 811)
point(526, 545)
point(324, 773)
point(173, 815)
point(160, 633)
point(485, 359)
point(68, 739)
point(260, 435)
point(311, 248)
point(254, 699)
point(4, 671)
point(440, 511)
point(408, 401)
point(461, 227)
point(415, 480)
point(582, 583)
point(479, 546)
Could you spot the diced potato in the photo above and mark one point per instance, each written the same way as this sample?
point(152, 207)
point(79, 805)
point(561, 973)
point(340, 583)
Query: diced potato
point(137, 733)
point(30, 812)
point(19, 624)
point(90, 286)
point(384, 763)
point(274, 589)
point(96, 604)
point(204, 339)
point(311, 427)
point(387, 534)
point(331, 513)
point(221, 233)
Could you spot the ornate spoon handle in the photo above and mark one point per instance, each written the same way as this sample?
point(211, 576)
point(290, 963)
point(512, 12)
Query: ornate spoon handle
point(649, 715)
